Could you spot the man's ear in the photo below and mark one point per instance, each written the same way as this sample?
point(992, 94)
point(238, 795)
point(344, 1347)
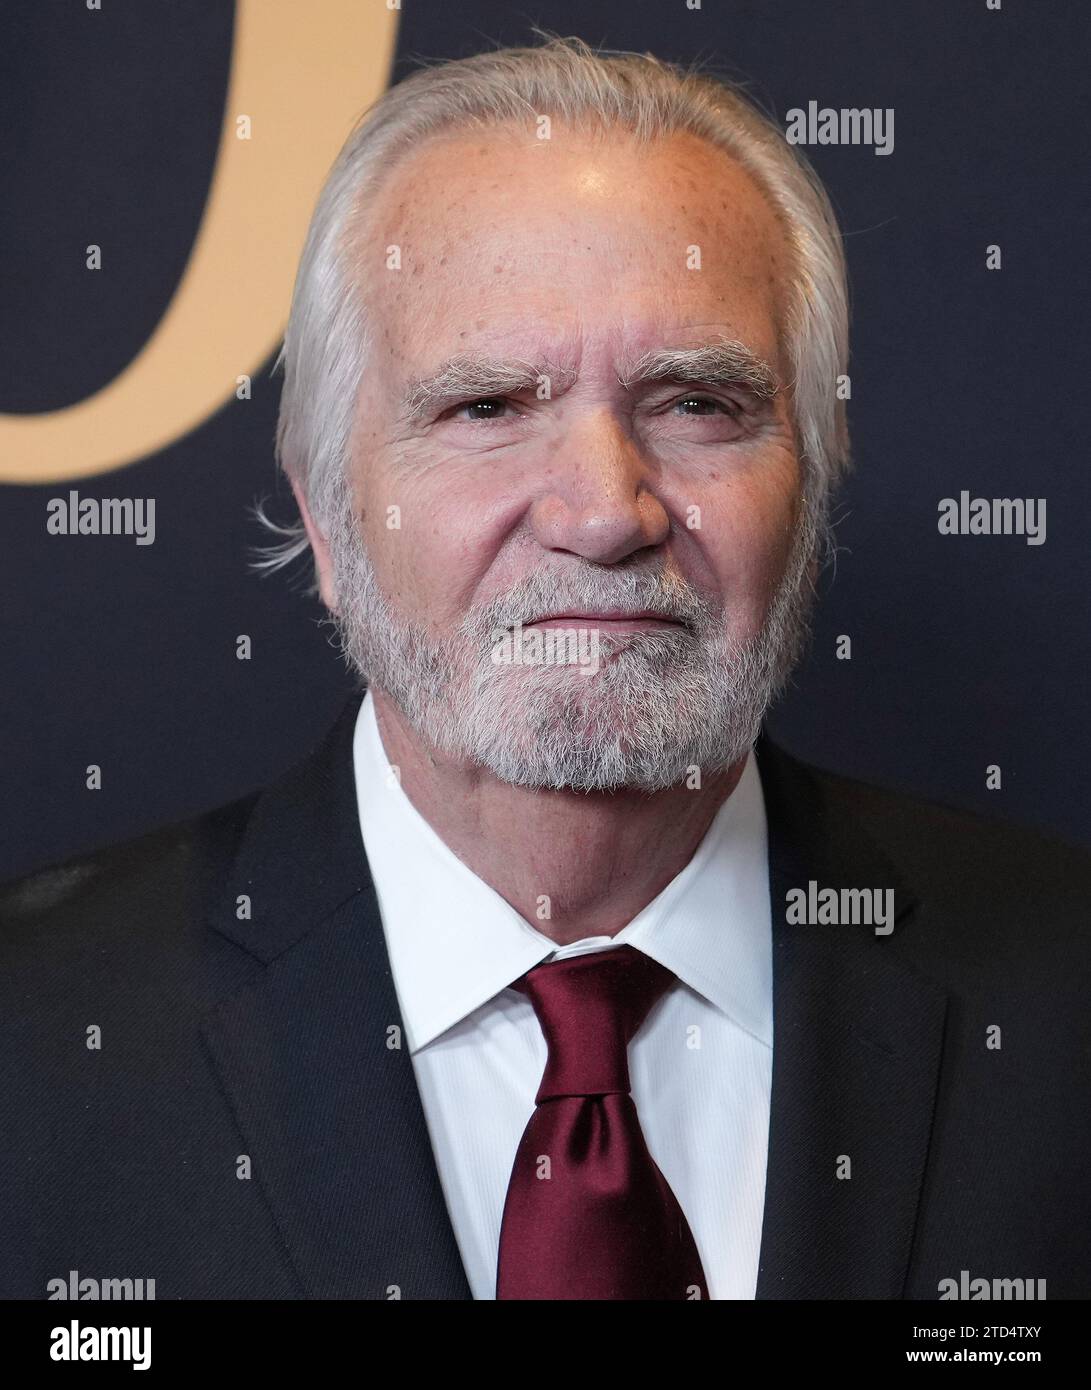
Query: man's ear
point(323, 563)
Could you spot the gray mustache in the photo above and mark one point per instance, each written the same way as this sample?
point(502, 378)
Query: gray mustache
point(662, 593)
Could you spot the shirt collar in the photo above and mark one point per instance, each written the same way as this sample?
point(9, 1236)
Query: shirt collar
point(454, 942)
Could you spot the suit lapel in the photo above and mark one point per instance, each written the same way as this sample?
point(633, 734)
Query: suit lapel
point(307, 1050)
point(857, 1039)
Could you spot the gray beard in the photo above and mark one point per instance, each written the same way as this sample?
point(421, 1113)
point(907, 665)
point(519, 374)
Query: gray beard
point(663, 707)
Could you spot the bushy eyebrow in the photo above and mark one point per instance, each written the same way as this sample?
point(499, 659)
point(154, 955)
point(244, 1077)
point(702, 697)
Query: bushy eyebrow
point(718, 364)
point(474, 377)
point(467, 377)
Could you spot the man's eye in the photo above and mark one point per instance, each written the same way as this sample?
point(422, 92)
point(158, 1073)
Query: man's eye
point(483, 410)
point(709, 406)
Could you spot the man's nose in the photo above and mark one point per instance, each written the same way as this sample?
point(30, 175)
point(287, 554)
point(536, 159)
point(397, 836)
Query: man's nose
point(599, 502)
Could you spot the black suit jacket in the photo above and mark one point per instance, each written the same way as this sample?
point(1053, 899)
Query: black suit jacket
point(267, 1037)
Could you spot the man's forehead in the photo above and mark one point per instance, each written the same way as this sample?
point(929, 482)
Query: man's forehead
point(487, 259)
point(579, 348)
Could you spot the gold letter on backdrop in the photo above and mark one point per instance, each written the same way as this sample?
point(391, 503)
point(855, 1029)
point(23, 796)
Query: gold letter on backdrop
point(302, 74)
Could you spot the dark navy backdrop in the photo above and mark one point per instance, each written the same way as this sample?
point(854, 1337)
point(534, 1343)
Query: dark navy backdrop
point(966, 651)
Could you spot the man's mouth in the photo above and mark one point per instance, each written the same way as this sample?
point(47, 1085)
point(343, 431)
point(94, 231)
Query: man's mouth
point(608, 619)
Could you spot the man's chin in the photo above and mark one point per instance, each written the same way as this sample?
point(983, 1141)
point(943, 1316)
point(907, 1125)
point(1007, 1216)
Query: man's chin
point(584, 770)
point(562, 708)
point(588, 742)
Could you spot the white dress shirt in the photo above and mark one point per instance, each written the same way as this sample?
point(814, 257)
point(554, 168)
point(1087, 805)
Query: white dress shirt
point(700, 1066)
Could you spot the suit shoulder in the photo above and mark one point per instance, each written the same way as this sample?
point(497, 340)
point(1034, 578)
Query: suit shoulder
point(984, 864)
point(954, 832)
point(172, 861)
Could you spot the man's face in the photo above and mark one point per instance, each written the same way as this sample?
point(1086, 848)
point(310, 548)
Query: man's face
point(557, 479)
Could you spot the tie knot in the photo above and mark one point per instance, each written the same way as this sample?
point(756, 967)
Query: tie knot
point(590, 1007)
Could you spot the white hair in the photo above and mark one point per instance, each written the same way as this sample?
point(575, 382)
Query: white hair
point(329, 332)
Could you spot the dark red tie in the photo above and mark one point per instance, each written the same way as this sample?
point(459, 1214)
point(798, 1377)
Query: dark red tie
point(588, 1213)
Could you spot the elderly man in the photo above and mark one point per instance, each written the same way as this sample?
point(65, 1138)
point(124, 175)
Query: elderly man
point(546, 976)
